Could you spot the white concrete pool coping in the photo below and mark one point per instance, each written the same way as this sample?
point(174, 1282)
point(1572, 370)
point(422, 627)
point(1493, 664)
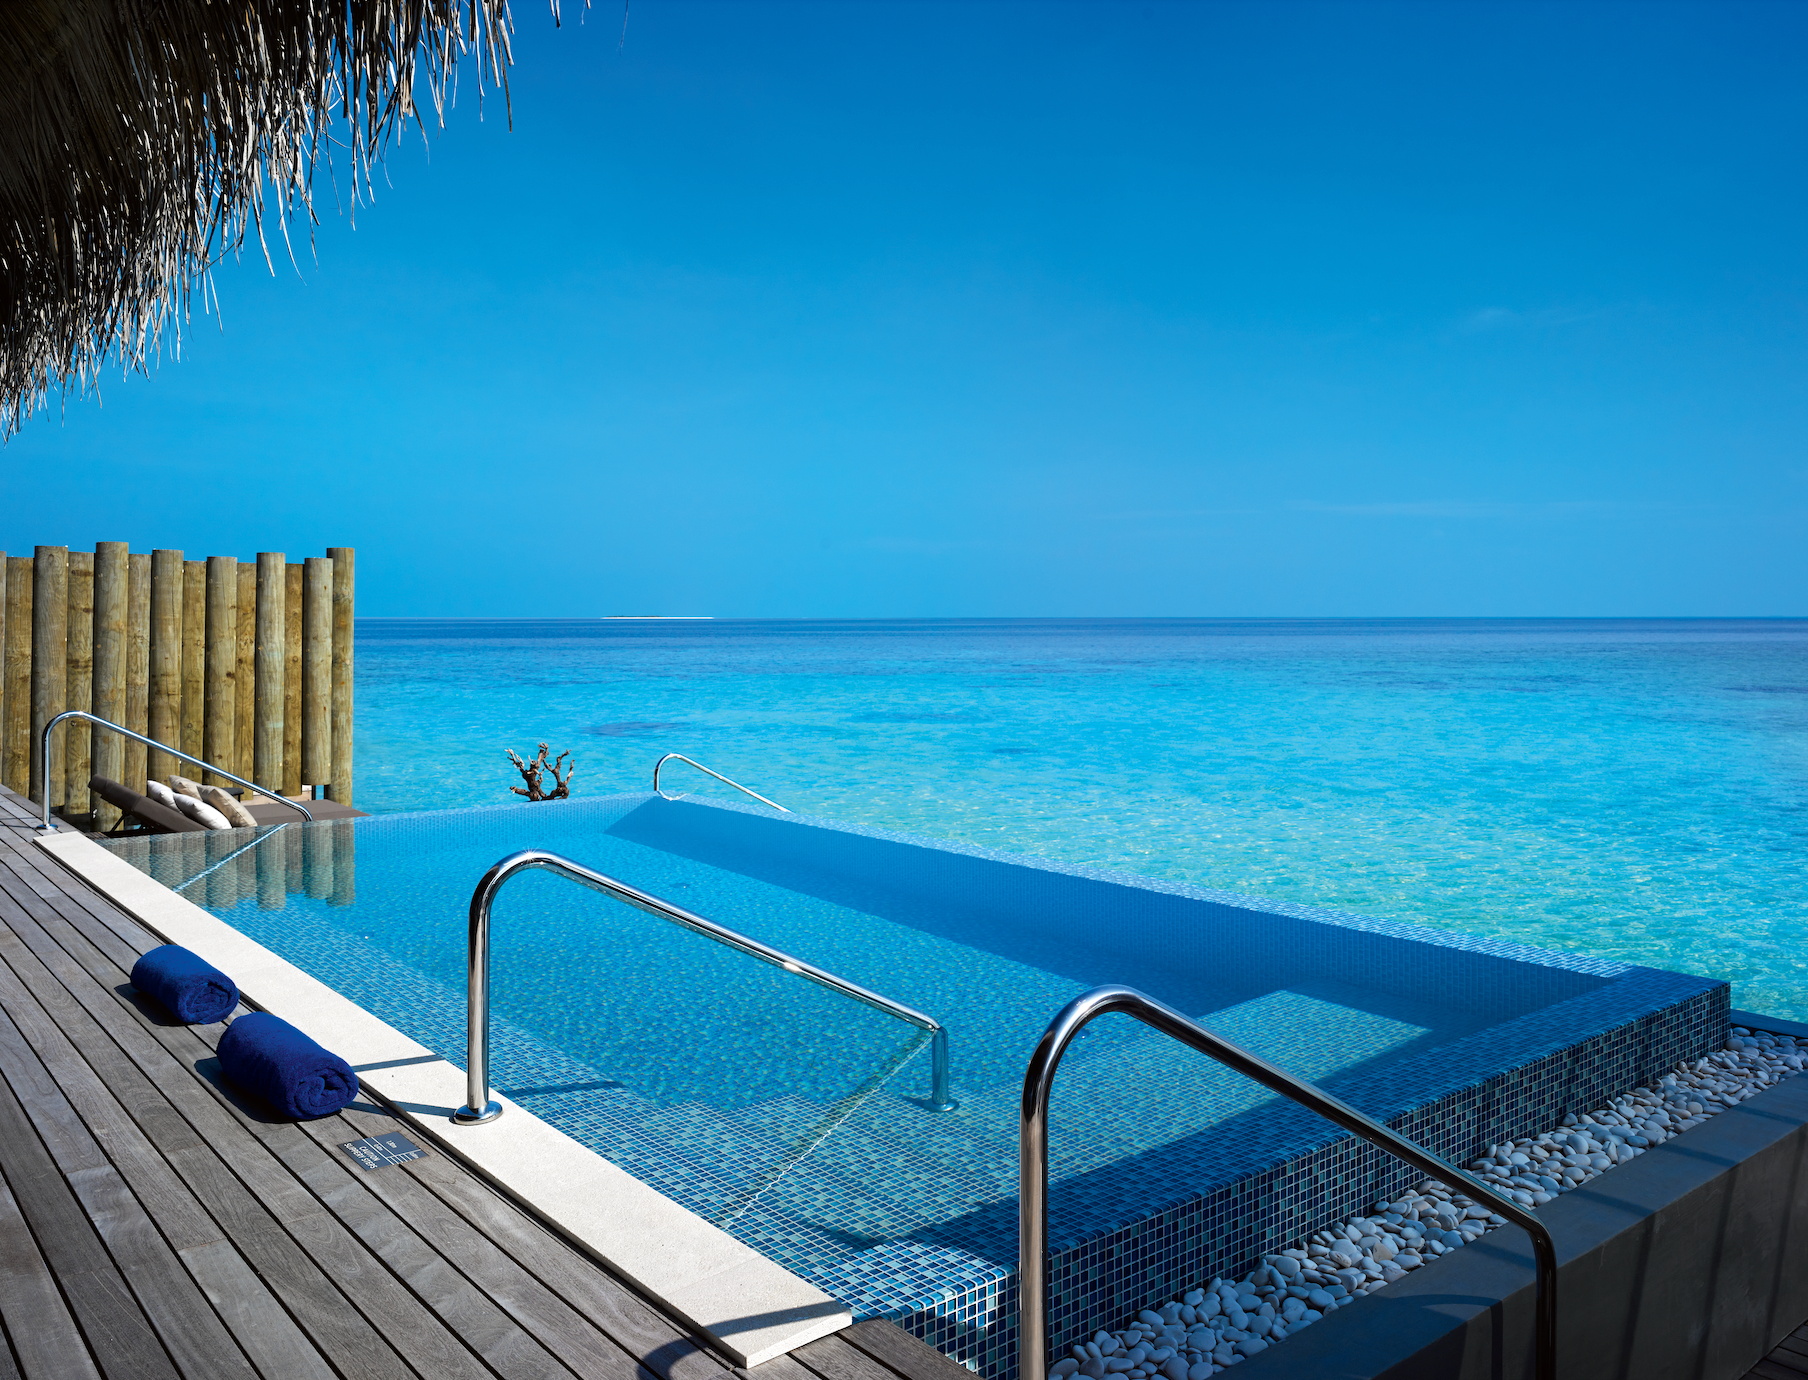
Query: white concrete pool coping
point(750, 1306)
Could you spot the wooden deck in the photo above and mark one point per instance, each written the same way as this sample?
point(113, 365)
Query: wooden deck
point(1788, 1362)
point(153, 1223)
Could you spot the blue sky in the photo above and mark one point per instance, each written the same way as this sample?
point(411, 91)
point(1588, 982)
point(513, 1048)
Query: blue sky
point(968, 309)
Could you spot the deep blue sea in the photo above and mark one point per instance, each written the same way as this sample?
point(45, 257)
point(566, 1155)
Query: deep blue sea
point(1634, 789)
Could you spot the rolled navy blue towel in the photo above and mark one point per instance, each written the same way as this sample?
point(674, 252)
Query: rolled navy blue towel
point(266, 1055)
point(192, 988)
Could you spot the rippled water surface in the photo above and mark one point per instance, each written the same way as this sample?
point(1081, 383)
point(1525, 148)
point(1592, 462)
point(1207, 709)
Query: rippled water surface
point(1636, 789)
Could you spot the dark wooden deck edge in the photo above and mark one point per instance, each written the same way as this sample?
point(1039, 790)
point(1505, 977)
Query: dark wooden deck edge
point(155, 1223)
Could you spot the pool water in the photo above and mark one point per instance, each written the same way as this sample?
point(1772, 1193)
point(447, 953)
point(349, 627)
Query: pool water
point(798, 1119)
point(1628, 789)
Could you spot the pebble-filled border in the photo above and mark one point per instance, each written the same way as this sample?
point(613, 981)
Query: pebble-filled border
point(1219, 1324)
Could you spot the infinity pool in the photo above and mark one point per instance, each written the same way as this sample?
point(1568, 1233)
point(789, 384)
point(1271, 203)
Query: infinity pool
point(799, 1120)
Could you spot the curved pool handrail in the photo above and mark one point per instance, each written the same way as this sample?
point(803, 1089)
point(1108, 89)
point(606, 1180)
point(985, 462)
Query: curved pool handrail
point(679, 756)
point(480, 1107)
point(1032, 1162)
point(44, 762)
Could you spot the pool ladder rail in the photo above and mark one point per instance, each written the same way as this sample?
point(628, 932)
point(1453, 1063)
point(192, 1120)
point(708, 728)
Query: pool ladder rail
point(680, 757)
point(95, 719)
point(480, 1107)
point(1032, 1162)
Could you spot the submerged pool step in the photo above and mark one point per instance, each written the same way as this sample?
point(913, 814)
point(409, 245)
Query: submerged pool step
point(853, 1165)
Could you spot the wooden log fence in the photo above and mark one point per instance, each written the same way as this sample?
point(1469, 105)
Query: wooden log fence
point(247, 663)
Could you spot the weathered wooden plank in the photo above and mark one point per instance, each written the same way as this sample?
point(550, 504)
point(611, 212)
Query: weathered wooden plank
point(46, 1337)
point(1770, 1368)
point(429, 1346)
point(833, 1358)
point(549, 1319)
point(260, 1324)
point(119, 1335)
point(333, 1323)
point(192, 1333)
point(656, 1341)
point(384, 1301)
point(268, 1334)
point(908, 1355)
point(483, 1326)
point(1797, 1343)
point(118, 935)
point(49, 1035)
point(784, 1368)
point(190, 1330)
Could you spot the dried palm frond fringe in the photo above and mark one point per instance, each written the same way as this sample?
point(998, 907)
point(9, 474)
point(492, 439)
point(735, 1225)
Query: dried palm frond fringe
point(136, 137)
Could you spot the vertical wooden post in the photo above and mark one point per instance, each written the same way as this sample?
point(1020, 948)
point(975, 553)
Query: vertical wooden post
point(317, 672)
point(244, 687)
point(78, 734)
point(272, 644)
point(49, 665)
point(194, 663)
point(138, 665)
point(291, 777)
point(111, 595)
point(344, 589)
point(165, 695)
point(222, 668)
point(17, 728)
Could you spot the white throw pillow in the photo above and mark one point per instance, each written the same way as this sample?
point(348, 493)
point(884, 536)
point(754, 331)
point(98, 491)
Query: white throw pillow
point(201, 812)
point(236, 814)
point(160, 793)
point(184, 786)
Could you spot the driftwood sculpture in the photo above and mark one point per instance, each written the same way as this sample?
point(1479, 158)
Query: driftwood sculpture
point(534, 773)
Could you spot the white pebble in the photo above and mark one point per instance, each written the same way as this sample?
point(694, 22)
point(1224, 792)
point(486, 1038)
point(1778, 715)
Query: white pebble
point(1231, 1320)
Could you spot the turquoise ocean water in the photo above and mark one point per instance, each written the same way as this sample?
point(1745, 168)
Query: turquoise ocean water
point(1631, 789)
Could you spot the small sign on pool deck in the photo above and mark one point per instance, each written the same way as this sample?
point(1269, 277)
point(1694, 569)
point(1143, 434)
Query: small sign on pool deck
point(373, 1152)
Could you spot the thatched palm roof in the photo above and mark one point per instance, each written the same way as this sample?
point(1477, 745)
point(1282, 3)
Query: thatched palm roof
point(136, 137)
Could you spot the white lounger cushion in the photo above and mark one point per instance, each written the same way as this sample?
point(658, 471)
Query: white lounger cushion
point(201, 812)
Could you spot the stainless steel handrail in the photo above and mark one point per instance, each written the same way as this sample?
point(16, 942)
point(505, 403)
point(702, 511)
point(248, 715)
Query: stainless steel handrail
point(480, 1106)
point(1032, 1162)
point(44, 761)
point(679, 756)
